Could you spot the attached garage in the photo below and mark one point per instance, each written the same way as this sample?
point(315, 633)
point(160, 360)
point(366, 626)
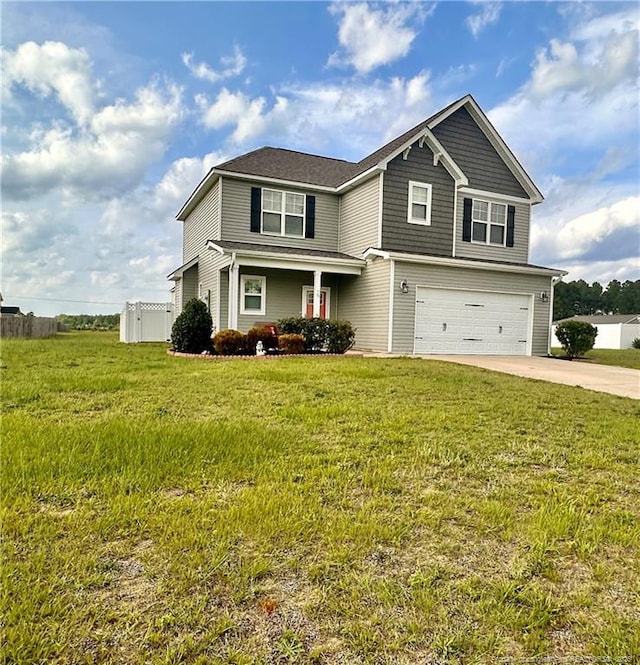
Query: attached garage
point(457, 321)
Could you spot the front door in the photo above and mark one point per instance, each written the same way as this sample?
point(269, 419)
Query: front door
point(307, 299)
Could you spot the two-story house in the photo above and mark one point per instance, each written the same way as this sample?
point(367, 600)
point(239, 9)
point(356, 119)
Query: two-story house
point(423, 245)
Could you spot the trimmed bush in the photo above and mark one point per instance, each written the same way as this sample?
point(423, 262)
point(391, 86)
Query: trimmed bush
point(191, 331)
point(291, 343)
point(576, 337)
point(320, 334)
point(341, 336)
point(264, 334)
point(230, 342)
point(636, 343)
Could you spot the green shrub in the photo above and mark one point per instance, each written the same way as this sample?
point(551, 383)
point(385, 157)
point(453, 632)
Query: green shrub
point(265, 334)
point(230, 342)
point(341, 336)
point(191, 331)
point(636, 343)
point(291, 343)
point(576, 337)
point(320, 334)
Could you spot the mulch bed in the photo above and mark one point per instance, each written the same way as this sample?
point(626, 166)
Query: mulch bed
point(211, 356)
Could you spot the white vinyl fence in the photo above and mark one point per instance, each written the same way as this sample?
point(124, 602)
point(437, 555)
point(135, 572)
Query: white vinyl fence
point(146, 322)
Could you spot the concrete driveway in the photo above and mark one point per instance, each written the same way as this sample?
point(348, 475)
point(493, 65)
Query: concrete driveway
point(602, 378)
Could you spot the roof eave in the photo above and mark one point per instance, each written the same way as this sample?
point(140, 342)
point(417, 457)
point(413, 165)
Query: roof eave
point(197, 195)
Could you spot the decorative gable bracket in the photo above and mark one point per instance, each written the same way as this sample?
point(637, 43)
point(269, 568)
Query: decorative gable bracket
point(405, 153)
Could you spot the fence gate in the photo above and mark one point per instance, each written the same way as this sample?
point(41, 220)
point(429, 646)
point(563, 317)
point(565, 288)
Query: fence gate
point(146, 322)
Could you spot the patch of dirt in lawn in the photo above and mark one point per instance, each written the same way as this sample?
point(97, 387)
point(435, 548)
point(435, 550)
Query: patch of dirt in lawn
point(130, 587)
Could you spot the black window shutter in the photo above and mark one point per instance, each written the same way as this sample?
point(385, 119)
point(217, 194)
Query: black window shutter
point(511, 225)
point(310, 217)
point(466, 220)
point(256, 209)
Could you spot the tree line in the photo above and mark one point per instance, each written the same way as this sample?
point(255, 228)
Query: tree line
point(578, 297)
point(90, 321)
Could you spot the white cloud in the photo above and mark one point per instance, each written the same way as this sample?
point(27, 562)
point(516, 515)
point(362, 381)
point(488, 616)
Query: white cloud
point(109, 156)
point(489, 14)
point(594, 70)
point(309, 117)
point(52, 67)
point(230, 66)
point(372, 37)
point(574, 124)
point(575, 238)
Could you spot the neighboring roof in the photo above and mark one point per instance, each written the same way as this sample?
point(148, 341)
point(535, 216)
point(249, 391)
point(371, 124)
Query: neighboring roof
point(255, 248)
point(602, 319)
point(10, 310)
point(305, 169)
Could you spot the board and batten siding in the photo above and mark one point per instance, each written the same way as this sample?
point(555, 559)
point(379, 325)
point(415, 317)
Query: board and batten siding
point(283, 295)
point(397, 233)
point(364, 301)
point(474, 153)
point(519, 253)
point(202, 224)
point(472, 279)
point(236, 217)
point(359, 218)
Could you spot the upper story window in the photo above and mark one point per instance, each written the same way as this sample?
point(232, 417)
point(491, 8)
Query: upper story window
point(419, 209)
point(488, 222)
point(283, 213)
point(278, 213)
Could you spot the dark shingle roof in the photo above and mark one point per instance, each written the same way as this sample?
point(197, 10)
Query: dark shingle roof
point(291, 165)
point(313, 169)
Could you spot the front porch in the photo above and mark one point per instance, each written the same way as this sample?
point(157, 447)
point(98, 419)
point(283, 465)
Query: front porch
point(261, 284)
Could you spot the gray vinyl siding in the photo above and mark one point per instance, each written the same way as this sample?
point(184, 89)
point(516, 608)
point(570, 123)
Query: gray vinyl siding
point(189, 285)
point(364, 301)
point(359, 218)
point(519, 253)
point(283, 295)
point(202, 224)
point(397, 233)
point(472, 279)
point(476, 156)
point(236, 217)
point(177, 297)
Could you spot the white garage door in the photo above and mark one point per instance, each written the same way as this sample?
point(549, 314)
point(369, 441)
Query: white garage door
point(456, 322)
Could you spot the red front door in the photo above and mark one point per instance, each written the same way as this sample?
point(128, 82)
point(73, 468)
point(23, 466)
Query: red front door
point(323, 304)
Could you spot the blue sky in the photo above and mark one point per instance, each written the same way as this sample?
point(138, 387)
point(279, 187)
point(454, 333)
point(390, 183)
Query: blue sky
point(112, 113)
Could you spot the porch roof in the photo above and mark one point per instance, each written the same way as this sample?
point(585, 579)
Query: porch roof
point(178, 272)
point(288, 258)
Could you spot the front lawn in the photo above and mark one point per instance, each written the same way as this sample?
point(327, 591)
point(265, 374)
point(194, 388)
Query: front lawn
point(310, 510)
point(617, 357)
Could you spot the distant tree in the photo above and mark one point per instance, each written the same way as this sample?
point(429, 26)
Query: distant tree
point(577, 297)
point(90, 321)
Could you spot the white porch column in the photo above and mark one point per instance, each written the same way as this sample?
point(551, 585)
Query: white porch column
point(233, 296)
point(317, 285)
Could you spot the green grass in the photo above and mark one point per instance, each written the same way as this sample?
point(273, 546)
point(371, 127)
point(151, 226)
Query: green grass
point(311, 510)
point(616, 357)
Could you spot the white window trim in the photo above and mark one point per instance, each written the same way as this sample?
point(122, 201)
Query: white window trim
point(306, 289)
point(283, 213)
point(410, 219)
point(263, 301)
point(489, 223)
